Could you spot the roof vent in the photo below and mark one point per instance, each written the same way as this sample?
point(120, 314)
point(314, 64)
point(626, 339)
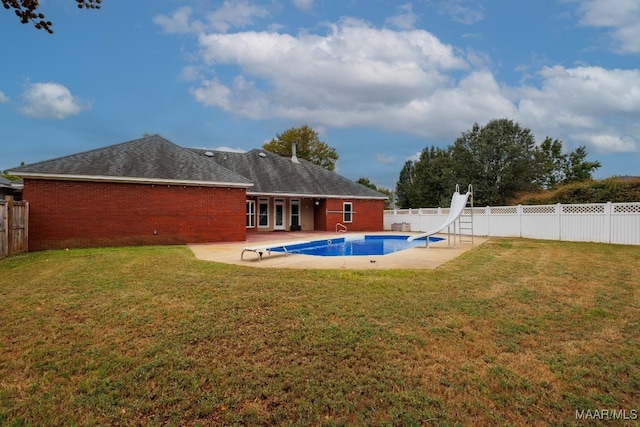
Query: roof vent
point(262, 154)
point(294, 157)
point(208, 153)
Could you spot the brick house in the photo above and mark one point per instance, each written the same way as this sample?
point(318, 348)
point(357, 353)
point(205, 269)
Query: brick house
point(150, 191)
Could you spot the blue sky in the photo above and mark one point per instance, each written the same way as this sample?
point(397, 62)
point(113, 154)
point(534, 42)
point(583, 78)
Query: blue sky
point(378, 79)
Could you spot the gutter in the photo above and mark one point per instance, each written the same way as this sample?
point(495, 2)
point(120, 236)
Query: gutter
point(129, 180)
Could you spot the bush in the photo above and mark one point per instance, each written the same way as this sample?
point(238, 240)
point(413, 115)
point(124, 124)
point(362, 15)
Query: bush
point(614, 189)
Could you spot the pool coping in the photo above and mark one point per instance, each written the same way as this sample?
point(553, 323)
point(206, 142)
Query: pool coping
point(421, 257)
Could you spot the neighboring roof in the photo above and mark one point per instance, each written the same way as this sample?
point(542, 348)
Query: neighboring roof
point(272, 174)
point(7, 183)
point(151, 159)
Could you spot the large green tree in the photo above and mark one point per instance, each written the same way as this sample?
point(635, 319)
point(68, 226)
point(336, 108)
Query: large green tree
point(427, 181)
point(28, 11)
point(308, 146)
point(498, 159)
point(433, 177)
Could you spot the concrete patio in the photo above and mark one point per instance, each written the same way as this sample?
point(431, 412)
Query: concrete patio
point(416, 258)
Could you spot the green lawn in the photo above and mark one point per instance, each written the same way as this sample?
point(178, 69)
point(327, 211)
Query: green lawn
point(514, 332)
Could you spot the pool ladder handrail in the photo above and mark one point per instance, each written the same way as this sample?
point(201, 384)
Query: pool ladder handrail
point(343, 228)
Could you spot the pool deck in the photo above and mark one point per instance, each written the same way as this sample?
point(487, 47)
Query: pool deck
point(416, 258)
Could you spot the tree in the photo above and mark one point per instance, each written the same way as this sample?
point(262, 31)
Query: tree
point(385, 191)
point(27, 11)
point(556, 167)
point(499, 159)
point(405, 187)
point(577, 168)
point(433, 177)
point(551, 163)
point(7, 175)
point(308, 146)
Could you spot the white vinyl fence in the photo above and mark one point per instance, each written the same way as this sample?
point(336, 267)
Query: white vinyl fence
point(595, 222)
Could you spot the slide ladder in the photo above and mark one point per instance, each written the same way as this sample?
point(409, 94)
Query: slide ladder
point(459, 203)
point(465, 220)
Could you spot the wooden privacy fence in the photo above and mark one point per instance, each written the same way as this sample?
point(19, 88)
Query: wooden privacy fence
point(593, 222)
point(14, 227)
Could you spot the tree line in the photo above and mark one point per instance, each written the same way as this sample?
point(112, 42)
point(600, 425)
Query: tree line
point(500, 160)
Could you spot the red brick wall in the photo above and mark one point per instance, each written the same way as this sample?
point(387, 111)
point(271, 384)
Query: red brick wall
point(73, 214)
point(367, 216)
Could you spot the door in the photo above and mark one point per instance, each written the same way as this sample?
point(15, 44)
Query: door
point(295, 215)
point(278, 217)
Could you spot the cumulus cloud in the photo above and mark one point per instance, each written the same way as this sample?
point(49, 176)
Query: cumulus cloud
point(50, 100)
point(591, 105)
point(232, 14)
point(621, 17)
point(405, 19)
point(352, 74)
point(4, 98)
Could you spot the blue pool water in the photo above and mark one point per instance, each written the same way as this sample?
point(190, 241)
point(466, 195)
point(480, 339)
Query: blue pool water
point(357, 245)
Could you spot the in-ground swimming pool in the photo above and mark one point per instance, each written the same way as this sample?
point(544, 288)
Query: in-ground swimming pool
point(358, 245)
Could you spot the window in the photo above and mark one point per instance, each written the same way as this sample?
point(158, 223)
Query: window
point(347, 212)
point(251, 214)
point(263, 213)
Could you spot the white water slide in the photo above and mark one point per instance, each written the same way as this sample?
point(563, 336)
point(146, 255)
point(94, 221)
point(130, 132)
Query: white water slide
point(458, 203)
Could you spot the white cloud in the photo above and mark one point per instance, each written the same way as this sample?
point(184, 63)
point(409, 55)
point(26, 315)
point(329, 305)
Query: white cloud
point(590, 105)
point(608, 142)
point(353, 75)
point(4, 98)
point(231, 14)
point(385, 158)
point(179, 22)
point(303, 4)
point(620, 16)
point(50, 100)
point(405, 19)
point(462, 11)
point(357, 75)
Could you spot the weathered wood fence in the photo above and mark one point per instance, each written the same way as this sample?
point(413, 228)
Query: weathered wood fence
point(14, 227)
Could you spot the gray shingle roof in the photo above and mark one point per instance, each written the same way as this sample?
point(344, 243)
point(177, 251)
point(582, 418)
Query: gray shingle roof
point(274, 174)
point(155, 159)
point(152, 159)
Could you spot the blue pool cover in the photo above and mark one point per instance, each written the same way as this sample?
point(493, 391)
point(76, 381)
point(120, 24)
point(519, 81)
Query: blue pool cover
point(360, 246)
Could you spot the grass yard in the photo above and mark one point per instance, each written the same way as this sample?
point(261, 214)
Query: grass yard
point(514, 332)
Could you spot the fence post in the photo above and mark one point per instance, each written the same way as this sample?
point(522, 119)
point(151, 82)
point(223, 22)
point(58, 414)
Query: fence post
point(487, 213)
point(608, 209)
point(4, 225)
point(519, 210)
point(9, 200)
point(559, 215)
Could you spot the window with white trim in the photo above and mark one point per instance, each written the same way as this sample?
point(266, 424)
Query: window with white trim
point(263, 213)
point(250, 214)
point(347, 212)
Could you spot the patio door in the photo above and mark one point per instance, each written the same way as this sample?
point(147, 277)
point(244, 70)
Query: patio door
point(294, 215)
point(278, 217)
